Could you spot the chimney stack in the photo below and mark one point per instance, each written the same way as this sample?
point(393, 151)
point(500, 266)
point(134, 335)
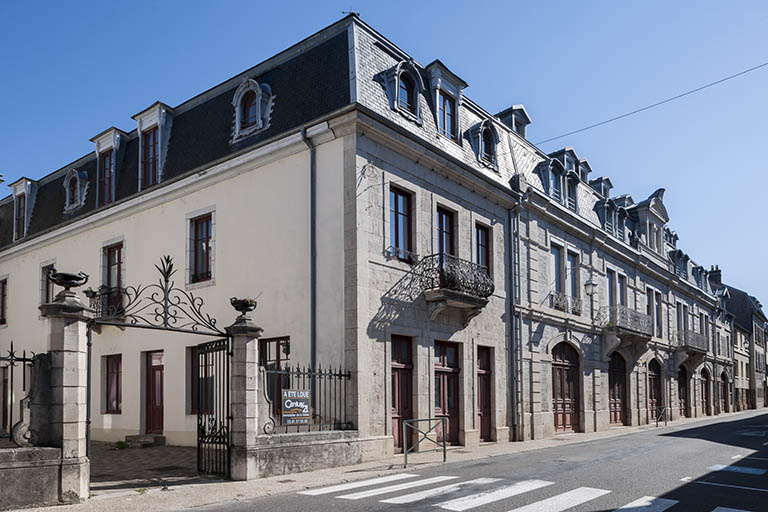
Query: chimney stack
point(716, 277)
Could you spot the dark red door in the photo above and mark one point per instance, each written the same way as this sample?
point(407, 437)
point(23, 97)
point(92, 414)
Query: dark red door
point(402, 389)
point(154, 399)
point(654, 388)
point(447, 389)
point(706, 399)
point(682, 392)
point(565, 387)
point(484, 392)
point(617, 382)
point(4, 400)
point(723, 393)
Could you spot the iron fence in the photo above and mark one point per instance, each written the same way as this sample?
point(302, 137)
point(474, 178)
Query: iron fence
point(622, 317)
point(566, 303)
point(327, 396)
point(424, 435)
point(8, 366)
point(106, 301)
point(452, 273)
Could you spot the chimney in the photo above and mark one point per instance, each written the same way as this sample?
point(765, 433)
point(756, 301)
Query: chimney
point(716, 277)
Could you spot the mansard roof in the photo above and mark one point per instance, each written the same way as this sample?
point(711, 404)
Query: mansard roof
point(743, 306)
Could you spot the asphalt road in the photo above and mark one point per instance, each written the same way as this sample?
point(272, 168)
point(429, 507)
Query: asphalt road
point(700, 467)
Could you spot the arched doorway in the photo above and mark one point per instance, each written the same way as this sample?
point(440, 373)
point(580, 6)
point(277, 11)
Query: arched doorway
point(565, 387)
point(723, 392)
point(706, 398)
point(682, 392)
point(655, 401)
point(617, 383)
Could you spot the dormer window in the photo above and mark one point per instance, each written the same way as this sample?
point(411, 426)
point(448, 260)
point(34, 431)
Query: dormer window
point(20, 216)
point(75, 187)
point(106, 174)
point(72, 192)
point(572, 187)
point(556, 185)
point(609, 224)
point(149, 158)
point(484, 141)
point(407, 93)
point(446, 116)
point(253, 103)
point(488, 146)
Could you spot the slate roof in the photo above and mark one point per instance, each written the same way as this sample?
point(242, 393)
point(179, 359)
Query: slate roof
point(310, 84)
point(742, 306)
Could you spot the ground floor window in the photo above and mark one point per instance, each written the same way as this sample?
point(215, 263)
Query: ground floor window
point(114, 371)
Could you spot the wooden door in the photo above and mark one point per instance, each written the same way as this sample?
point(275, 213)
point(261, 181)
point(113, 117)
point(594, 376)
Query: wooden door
point(654, 388)
point(154, 398)
point(723, 393)
point(402, 389)
point(484, 392)
point(565, 387)
point(682, 392)
point(617, 382)
point(447, 389)
point(706, 398)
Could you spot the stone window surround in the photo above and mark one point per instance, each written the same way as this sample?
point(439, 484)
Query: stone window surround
point(103, 376)
point(265, 115)
point(448, 205)
point(72, 204)
point(159, 116)
point(103, 258)
point(188, 218)
point(393, 88)
point(483, 222)
point(618, 272)
point(389, 182)
point(476, 133)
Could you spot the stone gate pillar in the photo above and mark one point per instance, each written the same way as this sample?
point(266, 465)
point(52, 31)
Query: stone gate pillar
point(68, 346)
point(243, 389)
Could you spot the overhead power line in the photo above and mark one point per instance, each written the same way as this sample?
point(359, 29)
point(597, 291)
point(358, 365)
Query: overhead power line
point(648, 107)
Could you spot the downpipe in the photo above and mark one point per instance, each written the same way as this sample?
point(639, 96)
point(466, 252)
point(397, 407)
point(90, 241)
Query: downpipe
point(312, 255)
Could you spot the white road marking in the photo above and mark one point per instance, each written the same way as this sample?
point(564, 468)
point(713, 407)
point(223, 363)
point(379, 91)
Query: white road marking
point(686, 479)
point(737, 469)
point(564, 501)
point(394, 488)
point(732, 486)
point(725, 509)
point(361, 483)
point(736, 457)
point(649, 504)
point(429, 493)
point(484, 498)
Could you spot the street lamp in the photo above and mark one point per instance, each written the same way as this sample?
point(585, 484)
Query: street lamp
point(590, 288)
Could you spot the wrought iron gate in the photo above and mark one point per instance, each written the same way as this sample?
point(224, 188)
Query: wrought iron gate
point(211, 366)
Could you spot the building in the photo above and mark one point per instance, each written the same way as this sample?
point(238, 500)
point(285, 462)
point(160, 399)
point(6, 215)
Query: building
point(389, 225)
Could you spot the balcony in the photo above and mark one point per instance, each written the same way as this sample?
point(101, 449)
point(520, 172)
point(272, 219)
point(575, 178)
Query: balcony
point(691, 341)
point(451, 282)
point(624, 321)
point(565, 303)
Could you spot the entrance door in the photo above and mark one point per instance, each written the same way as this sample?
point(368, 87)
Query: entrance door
point(723, 393)
point(447, 389)
point(565, 387)
point(617, 382)
point(706, 398)
point(154, 398)
point(654, 389)
point(4, 399)
point(484, 392)
point(682, 392)
point(402, 388)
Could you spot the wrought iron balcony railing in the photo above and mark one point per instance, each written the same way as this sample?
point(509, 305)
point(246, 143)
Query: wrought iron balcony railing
point(690, 340)
point(106, 302)
point(444, 271)
point(563, 302)
point(624, 318)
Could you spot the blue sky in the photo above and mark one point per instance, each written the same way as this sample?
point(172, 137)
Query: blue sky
point(71, 69)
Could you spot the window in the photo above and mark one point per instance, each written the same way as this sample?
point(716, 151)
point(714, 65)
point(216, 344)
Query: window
point(447, 116)
point(611, 275)
point(649, 302)
point(250, 113)
point(201, 248)
point(400, 223)
point(482, 246)
point(487, 146)
point(657, 317)
point(622, 290)
point(113, 263)
point(609, 220)
point(557, 269)
point(572, 278)
point(149, 158)
point(114, 396)
point(571, 190)
point(445, 243)
point(620, 228)
point(3, 300)
point(46, 285)
point(686, 322)
point(556, 187)
point(407, 93)
point(72, 198)
point(201, 385)
point(21, 216)
point(105, 177)
point(252, 107)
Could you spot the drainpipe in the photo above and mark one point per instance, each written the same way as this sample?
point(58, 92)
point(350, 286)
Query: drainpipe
point(515, 315)
point(510, 263)
point(312, 253)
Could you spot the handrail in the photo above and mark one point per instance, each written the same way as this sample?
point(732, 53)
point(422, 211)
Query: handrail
point(661, 411)
point(424, 435)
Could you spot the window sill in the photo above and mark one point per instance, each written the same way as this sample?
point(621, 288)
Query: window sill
point(409, 115)
point(113, 413)
point(201, 284)
point(4, 325)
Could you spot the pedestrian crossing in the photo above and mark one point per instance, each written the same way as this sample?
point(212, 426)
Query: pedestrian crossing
point(479, 493)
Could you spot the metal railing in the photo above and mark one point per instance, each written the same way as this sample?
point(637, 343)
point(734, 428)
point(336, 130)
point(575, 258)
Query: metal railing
point(327, 397)
point(412, 425)
point(445, 271)
point(622, 317)
point(690, 340)
point(106, 301)
point(566, 303)
point(8, 364)
point(661, 415)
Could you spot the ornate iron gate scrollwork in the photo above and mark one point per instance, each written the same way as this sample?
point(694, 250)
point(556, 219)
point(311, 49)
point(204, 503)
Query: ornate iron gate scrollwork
point(211, 367)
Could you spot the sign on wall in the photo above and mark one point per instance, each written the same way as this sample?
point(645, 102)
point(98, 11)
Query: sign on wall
point(295, 407)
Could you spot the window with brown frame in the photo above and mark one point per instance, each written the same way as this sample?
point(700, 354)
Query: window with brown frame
point(250, 110)
point(3, 300)
point(482, 247)
point(201, 248)
point(447, 116)
point(21, 212)
point(149, 157)
point(445, 243)
point(400, 223)
point(113, 262)
point(114, 396)
point(105, 177)
point(201, 385)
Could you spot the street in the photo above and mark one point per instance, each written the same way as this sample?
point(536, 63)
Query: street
point(715, 465)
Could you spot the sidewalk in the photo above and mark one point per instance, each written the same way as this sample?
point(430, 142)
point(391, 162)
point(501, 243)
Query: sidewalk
point(206, 492)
